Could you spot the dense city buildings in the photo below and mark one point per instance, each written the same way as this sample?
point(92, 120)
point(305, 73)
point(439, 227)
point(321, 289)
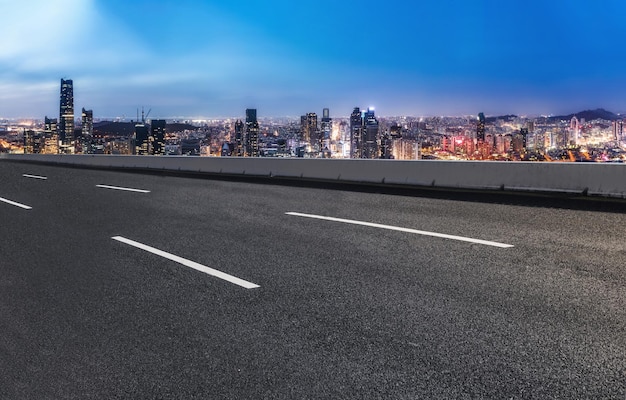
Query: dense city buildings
point(593, 135)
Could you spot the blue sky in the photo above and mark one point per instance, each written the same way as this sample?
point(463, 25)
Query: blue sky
point(286, 58)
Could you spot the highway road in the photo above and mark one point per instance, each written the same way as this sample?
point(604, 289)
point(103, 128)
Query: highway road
point(186, 288)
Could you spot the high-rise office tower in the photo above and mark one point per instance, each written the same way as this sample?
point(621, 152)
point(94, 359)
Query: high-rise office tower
point(575, 126)
point(356, 132)
point(239, 139)
point(480, 129)
point(51, 136)
point(252, 133)
point(66, 112)
point(141, 141)
point(371, 148)
point(87, 131)
point(312, 131)
point(327, 126)
point(157, 136)
point(519, 140)
point(31, 142)
point(304, 130)
point(618, 130)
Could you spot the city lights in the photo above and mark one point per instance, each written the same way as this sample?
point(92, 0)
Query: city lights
point(594, 135)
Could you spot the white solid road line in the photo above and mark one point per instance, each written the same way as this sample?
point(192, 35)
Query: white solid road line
point(123, 188)
point(188, 263)
point(408, 230)
point(16, 204)
point(34, 176)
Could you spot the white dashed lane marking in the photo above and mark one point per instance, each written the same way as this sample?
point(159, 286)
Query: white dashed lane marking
point(188, 263)
point(401, 229)
point(34, 176)
point(15, 203)
point(123, 188)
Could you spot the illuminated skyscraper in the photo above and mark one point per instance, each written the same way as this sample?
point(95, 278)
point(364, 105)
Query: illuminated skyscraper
point(618, 130)
point(364, 134)
point(519, 141)
point(310, 133)
point(480, 129)
point(252, 133)
point(356, 133)
point(370, 138)
point(51, 136)
point(574, 131)
point(304, 132)
point(157, 136)
point(141, 141)
point(87, 131)
point(327, 126)
point(32, 142)
point(87, 123)
point(239, 139)
point(66, 117)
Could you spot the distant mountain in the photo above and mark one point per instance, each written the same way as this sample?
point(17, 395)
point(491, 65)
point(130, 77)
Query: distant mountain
point(111, 128)
point(589, 115)
point(506, 118)
point(179, 127)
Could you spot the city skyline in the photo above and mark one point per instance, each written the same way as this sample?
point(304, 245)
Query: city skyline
point(507, 138)
point(286, 59)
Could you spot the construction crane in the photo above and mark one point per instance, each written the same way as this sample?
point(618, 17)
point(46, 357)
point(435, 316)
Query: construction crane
point(143, 116)
point(146, 117)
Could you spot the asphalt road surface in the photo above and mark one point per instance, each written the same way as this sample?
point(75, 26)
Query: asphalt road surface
point(194, 289)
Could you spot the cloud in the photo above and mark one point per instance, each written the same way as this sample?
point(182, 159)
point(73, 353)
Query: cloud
point(36, 36)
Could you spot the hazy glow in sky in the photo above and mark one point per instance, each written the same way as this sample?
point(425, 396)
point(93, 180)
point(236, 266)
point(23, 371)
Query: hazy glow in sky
point(284, 57)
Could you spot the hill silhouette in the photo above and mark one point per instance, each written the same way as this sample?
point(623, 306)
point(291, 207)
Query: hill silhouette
point(589, 115)
point(112, 128)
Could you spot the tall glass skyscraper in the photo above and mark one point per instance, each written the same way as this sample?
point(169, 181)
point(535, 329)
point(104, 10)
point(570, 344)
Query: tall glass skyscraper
point(364, 135)
point(157, 136)
point(252, 133)
point(356, 132)
point(239, 139)
point(370, 148)
point(327, 124)
point(480, 129)
point(140, 139)
point(310, 131)
point(66, 112)
point(87, 131)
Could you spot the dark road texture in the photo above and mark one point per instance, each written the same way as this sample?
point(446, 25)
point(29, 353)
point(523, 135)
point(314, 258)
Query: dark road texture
point(342, 310)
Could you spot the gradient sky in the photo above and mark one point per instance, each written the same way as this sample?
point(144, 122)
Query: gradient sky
point(284, 57)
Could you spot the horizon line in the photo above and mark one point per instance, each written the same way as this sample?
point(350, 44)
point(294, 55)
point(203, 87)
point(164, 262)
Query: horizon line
point(203, 118)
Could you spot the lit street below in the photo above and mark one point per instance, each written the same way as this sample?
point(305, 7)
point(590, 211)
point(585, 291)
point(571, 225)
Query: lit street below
point(174, 287)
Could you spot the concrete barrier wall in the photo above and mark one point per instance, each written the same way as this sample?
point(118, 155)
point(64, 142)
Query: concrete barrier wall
point(602, 179)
